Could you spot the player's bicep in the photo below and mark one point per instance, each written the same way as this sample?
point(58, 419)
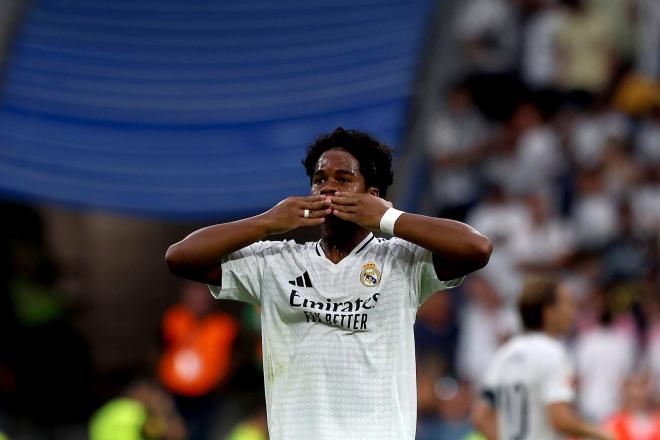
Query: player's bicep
point(447, 271)
point(212, 276)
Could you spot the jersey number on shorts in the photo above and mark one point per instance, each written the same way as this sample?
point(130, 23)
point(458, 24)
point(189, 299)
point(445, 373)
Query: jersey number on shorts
point(513, 399)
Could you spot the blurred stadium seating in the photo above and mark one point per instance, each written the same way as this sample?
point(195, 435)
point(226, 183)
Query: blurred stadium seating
point(195, 109)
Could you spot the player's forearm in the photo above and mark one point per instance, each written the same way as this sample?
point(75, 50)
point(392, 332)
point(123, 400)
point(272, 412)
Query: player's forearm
point(489, 432)
point(485, 420)
point(196, 257)
point(567, 422)
point(448, 239)
point(581, 429)
point(203, 249)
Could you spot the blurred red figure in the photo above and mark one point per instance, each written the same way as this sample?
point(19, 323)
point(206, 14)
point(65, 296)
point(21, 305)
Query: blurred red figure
point(637, 420)
point(198, 344)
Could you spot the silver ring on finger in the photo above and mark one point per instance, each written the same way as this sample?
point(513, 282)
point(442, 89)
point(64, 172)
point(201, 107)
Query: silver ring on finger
point(306, 213)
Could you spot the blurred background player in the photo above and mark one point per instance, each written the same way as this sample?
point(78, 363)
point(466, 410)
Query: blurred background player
point(529, 387)
point(197, 356)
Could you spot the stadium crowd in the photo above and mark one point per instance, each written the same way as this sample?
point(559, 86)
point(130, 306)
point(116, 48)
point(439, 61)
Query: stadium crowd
point(549, 143)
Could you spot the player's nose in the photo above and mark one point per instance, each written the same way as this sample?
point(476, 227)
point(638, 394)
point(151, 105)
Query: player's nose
point(329, 190)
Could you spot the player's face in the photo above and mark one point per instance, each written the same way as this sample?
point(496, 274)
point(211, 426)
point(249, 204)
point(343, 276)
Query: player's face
point(564, 310)
point(337, 170)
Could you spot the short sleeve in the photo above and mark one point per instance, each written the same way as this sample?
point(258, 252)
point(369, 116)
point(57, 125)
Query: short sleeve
point(489, 386)
point(557, 382)
point(243, 272)
point(425, 282)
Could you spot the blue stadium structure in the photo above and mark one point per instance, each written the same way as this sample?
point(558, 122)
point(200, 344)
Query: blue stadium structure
point(197, 109)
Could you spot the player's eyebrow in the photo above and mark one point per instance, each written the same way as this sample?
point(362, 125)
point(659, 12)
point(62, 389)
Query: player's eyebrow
point(322, 171)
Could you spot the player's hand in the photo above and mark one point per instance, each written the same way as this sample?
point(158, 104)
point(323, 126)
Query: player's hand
point(290, 213)
point(362, 209)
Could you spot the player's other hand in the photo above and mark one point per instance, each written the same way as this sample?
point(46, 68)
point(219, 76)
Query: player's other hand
point(363, 209)
point(290, 213)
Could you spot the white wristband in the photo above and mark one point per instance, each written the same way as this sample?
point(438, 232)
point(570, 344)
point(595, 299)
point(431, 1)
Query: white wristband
point(388, 219)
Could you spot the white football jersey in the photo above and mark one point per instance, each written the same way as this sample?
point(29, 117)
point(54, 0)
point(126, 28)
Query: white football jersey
point(528, 373)
point(339, 354)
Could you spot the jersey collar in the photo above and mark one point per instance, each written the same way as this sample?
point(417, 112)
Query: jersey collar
point(356, 250)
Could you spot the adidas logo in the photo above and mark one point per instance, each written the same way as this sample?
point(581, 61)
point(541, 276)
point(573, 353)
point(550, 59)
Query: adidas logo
point(302, 281)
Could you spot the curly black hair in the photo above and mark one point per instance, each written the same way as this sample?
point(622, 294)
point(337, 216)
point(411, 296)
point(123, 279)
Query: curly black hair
point(374, 157)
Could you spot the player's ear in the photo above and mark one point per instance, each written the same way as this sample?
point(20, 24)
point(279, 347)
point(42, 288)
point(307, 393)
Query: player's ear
point(373, 191)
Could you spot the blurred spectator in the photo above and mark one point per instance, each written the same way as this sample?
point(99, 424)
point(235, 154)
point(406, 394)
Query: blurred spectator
point(454, 145)
point(538, 160)
point(594, 211)
point(501, 218)
point(197, 357)
point(605, 356)
point(648, 138)
point(548, 241)
point(500, 159)
point(143, 412)
point(198, 344)
point(653, 341)
point(590, 133)
point(485, 324)
point(645, 203)
point(586, 52)
point(620, 17)
point(583, 278)
point(648, 37)
point(620, 172)
point(436, 330)
point(626, 257)
point(637, 419)
point(539, 57)
point(488, 31)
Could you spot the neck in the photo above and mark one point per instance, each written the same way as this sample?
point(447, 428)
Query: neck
point(550, 331)
point(339, 238)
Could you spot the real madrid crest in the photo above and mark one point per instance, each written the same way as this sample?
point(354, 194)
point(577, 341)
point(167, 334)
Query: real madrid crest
point(370, 275)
